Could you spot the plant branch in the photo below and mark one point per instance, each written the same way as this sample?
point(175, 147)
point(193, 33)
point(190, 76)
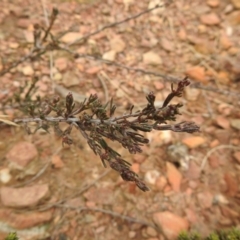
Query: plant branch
point(111, 25)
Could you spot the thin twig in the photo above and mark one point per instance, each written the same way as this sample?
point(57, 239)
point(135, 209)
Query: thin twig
point(40, 173)
point(49, 27)
point(165, 77)
point(125, 94)
point(82, 39)
point(109, 212)
point(208, 104)
point(214, 150)
point(101, 79)
point(44, 208)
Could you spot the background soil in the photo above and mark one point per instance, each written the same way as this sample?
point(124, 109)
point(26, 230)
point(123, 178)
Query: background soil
point(50, 192)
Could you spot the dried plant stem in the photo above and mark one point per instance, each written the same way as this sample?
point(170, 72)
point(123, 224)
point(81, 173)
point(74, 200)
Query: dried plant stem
point(209, 153)
point(109, 212)
point(51, 205)
point(82, 39)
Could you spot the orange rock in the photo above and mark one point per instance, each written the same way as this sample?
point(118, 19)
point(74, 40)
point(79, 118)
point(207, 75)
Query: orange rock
point(27, 70)
point(170, 223)
point(222, 122)
point(152, 58)
point(233, 51)
point(182, 34)
point(23, 23)
point(158, 85)
point(223, 77)
point(194, 141)
point(228, 212)
point(151, 232)
point(214, 143)
point(197, 73)
point(167, 189)
point(139, 158)
point(236, 3)
point(109, 55)
point(94, 70)
point(23, 197)
point(71, 37)
point(61, 64)
point(13, 45)
point(161, 183)
point(80, 67)
point(57, 161)
point(22, 154)
point(210, 19)
point(237, 156)
point(214, 161)
point(191, 215)
point(205, 199)
point(117, 44)
point(174, 177)
point(193, 172)
point(232, 184)
point(24, 220)
point(234, 18)
point(135, 167)
point(225, 42)
point(213, 3)
point(167, 44)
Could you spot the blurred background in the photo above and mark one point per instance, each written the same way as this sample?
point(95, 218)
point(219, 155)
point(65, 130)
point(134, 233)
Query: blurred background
point(65, 193)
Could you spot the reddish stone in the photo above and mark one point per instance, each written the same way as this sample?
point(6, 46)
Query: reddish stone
point(197, 73)
point(101, 195)
point(210, 19)
point(213, 161)
point(214, 143)
point(193, 171)
point(71, 37)
point(205, 199)
point(158, 85)
point(213, 3)
point(23, 197)
point(93, 70)
point(232, 184)
point(225, 42)
point(22, 153)
point(161, 183)
point(182, 34)
point(228, 212)
point(237, 156)
point(223, 136)
point(23, 22)
point(167, 44)
point(174, 177)
point(135, 167)
point(139, 158)
point(234, 18)
point(57, 161)
point(24, 220)
point(222, 122)
point(191, 215)
point(170, 223)
point(194, 141)
point(61, 64)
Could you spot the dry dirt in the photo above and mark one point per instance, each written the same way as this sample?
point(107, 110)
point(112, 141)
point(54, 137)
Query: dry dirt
point(50, 192)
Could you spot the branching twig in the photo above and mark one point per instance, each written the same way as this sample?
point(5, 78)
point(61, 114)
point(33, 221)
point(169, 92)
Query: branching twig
point(84, 38)
point(99, 124)
point(46, 207)
point(109, 212)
